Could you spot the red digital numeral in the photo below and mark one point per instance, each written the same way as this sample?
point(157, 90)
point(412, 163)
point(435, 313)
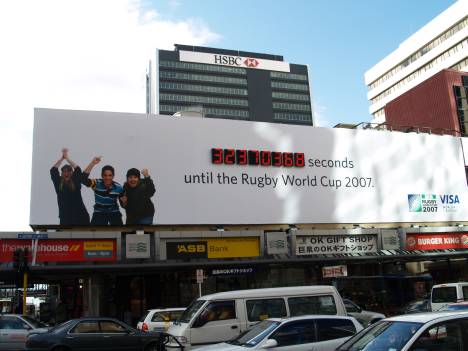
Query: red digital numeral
point(229, 156)
point(277, 159)
point(265, 157)
point(217, 156)
point(288, 159)
point(241, 157)
point(254, 157)
point(299, 160)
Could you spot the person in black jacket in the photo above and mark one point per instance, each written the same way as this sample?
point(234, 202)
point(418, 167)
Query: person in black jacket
point(72, 210)
point(137, 197)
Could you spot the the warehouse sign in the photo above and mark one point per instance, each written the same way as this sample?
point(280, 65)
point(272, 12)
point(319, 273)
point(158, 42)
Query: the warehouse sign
point(133, 169)
point(233, 61)
point(214, 248)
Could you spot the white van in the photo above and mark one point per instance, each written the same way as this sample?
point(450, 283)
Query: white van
point(220, 317)
point(443, 294)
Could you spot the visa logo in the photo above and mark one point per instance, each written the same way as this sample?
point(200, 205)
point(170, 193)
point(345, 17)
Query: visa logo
point(449, 199)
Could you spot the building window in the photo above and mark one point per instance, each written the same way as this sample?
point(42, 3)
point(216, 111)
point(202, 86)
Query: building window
point(288, 76)
point(289, 86)
point(202, 67)
point(202, 78)
point(202, 88)
point(461, 93)
point(203, 99)
point(207, 111)
point(293, 117)
point(290, 106)
point(289, 96)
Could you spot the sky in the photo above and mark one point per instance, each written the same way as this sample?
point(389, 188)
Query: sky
point(92, 55)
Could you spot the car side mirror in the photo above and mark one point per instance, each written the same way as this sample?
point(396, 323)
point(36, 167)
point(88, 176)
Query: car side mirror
point(270, 343)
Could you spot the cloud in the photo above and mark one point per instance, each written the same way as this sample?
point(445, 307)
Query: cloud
point(320, 118)
point(88, 55)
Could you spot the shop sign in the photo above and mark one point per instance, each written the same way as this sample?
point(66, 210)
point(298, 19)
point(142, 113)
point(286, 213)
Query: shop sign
point(233, 61)
point(336, 244)
point(214, 248)
point(277, 243)
point(335, 271)
point(62, 250)
point(435, 241)
point(390, 240)
point(200, 276)
point(32, 236)
point(232, 271)
point(137, 246)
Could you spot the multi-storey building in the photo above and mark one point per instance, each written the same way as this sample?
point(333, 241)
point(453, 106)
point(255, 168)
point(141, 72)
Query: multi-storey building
point(440, 44)
point(229, 84)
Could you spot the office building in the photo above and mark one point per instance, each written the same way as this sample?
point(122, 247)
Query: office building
point(232, 84)
point(440, 44)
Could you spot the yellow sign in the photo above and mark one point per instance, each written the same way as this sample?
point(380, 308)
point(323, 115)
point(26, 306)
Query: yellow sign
point(98, 245)
point(233, 247)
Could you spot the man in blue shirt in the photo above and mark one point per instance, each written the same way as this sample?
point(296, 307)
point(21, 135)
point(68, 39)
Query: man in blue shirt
point(106, 194)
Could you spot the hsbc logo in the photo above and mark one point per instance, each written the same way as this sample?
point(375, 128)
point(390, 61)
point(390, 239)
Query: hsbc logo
point(251, 62)
point(235, 61)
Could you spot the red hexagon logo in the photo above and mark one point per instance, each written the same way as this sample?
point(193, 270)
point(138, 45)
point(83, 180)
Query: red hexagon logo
point(251, 62)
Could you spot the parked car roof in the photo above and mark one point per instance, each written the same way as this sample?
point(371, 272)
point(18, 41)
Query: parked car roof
point(424, 317)
point(309, 316)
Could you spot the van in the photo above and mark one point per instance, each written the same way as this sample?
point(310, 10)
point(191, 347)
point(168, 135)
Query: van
point(222, 316)
point(443, 294)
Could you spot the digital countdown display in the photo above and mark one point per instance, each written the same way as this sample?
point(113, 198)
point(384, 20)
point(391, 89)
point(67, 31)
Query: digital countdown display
point(257, 158)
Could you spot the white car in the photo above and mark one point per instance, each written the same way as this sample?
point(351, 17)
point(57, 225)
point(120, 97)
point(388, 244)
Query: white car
point(364, 317)
point(14, 330)
point(159, 320)
point(314, 332)
point(437, 331)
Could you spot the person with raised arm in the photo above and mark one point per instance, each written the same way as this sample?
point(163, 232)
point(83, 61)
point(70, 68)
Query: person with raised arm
point(137, 197)
point(106, 194)
point(67, 184)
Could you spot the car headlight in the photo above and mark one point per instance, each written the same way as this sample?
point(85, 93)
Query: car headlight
point(181, 339)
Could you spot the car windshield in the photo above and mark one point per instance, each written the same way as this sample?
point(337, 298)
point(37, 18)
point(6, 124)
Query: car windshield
point(62, 326)
point(34, 322)
point(461, 307)
point(420, 305)
point(382, 336)
point(142, 319)
point(444, 294)
point(254, 335)
point(191, 311)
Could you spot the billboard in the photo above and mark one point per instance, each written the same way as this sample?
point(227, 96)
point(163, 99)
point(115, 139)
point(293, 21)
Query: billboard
point(62, 250)
point(436, 241)
point(214, 248)
point(215, 171)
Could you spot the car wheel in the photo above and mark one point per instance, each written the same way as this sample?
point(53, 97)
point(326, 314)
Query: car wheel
point(152, 346)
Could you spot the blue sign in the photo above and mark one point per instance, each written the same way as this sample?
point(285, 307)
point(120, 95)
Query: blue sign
point(31, 236)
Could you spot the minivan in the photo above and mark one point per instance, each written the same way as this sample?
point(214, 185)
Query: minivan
point(222, 316)
point(443, 294)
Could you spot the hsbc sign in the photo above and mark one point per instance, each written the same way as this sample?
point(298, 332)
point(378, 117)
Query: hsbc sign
point(233, 61)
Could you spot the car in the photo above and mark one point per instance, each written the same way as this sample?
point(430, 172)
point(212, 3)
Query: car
point(14, 330)
point(442, 294)
point(458, 306)
point(94, 334)
point(315, 332)
point(159, 320)
point(417, 306)
point(364, 317)
point(422, 332)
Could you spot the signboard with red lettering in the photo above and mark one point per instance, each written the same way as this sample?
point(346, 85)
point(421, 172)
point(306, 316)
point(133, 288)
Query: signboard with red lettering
point(62, 250)
point(335, 271)
point(434, 241)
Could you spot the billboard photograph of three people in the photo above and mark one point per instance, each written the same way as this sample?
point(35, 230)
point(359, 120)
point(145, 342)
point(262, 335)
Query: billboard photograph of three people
point(211, 171)
point(134, 196)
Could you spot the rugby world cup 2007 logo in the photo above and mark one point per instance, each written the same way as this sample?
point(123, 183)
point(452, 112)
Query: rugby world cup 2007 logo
point(414, 202)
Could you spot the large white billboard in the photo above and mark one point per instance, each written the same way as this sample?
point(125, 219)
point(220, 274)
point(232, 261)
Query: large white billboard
point(215, 171)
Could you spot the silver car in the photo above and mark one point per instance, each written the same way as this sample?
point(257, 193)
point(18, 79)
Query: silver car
point(364, 317)
point(14, 330)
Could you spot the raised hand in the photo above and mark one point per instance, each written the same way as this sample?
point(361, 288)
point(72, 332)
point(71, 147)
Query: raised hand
point(96, 160)
point(145, 172)
point(64, 153)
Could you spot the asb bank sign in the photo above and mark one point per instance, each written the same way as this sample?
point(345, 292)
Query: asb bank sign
point(233, 61)
point(136, 168)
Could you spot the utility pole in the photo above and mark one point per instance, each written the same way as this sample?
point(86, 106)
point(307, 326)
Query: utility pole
point(20, 263)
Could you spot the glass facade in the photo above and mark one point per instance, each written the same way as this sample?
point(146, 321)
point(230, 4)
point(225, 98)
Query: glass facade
point(208, 111)
point(202, 67)
point(289, 96)
point(289, 86)
point(290, 106)
point(202, 78)
point(288, 76)
point(203, 99)
point(297, 117)
point(202, 88)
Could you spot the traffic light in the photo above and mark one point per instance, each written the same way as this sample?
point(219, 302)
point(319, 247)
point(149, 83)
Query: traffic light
point(20, 259)
point(16, 258)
